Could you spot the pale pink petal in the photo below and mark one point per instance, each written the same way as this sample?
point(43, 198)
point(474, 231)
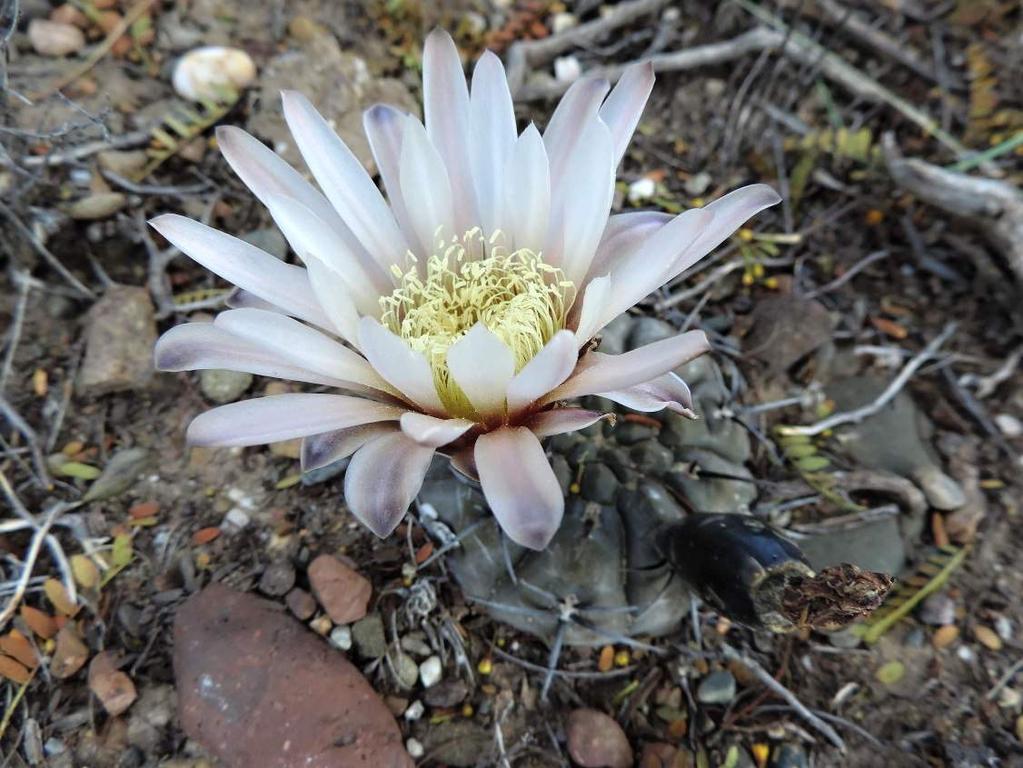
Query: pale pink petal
point(345, 182)
point(623, 107)
point(493, 136)
point(244, 265)
point(311, 237)
point(560, 420)
point(519, 485)
point(681, 243)
point(384, 126)
point(241, 299)
point(332, 294)
point(406, 370)
point(425, 188)
point(548, 369)
point(593, 309)
point(598, 372)
point(730, 212)
point(580, 213)
point(326, 448)
point(482, 365)
point(446, 112)
point(383, 478)
point(300, 345)
point(576, 109)
point(624, 235)
point(266, 174)
point(283, 417)
point(203, 346)
point(527, 194)
point(667, 391)
point(431, 431)
point(645, 269)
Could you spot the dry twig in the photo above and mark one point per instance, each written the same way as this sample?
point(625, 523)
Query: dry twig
point(765, 677)
point(859, 414)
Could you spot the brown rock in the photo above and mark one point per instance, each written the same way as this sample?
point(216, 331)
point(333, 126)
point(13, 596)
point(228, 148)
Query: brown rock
point(119, 339)
point(344, 593)
point(53, 38)
point(597, 741)
point(301, 603)
point(785, 329)
point(339, 83)
point(256, 688)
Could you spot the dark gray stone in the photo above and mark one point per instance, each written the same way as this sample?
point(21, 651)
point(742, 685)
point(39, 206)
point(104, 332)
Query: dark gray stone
point(369, 638)
point(599, 483)
point(716, 688)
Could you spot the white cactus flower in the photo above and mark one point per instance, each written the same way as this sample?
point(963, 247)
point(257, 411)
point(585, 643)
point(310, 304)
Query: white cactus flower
point(455, 316)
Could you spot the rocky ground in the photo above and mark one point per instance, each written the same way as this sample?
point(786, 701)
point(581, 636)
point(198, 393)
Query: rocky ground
point(193, 607)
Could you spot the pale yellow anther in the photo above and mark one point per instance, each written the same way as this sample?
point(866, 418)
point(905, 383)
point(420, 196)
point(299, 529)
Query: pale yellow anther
point(519, 298)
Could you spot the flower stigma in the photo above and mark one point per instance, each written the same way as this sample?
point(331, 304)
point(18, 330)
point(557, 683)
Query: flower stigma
point(519, 298)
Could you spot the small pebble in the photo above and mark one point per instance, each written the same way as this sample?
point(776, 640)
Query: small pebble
point(341, 637)
point(1009, 698)
point(369, 637)
point(430, 671)
point(414, 748)
point(1003, 626)
point(965, 653)
point(236, 519)
point(415, 711)
point(561, 21)
point(301, 604)
point(446, 694)
point(697, 184)
point(642, 190)
point(223, 386)
point(52, 38)
point(206, 72)
point(567, 69)
point(716, 688)
point(938, 610)
point(1009, 425)
point(595, 740)
point(278, 579)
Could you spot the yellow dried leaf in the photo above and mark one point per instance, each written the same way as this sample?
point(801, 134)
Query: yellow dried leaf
point(59, 597)
point(85, 571)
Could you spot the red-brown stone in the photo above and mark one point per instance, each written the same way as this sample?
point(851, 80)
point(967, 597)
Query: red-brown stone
point(258, 690)
point(342, 591)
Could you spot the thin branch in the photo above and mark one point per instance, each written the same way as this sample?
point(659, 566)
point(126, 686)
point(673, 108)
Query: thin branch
point(765, 677)
point(526, 55)
point(859, 414)
point(44, 252)
point(31, 556)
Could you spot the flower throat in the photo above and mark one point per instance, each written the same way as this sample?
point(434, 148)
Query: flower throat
point(518, 297)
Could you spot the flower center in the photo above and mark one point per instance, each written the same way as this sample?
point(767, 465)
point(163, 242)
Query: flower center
point(518, 297)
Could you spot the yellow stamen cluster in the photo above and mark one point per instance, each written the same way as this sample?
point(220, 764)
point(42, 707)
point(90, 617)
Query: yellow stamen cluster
point(519, 298)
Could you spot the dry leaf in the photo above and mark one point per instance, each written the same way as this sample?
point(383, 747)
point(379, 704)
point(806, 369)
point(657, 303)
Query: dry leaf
point(145, 509)
point(204, 536)
point(69, 655)
point(112, 687)
point(85, 571)
point(889, 327)
point(17, 646)
point(945, 636)
point(59, 597)
point(988, 638)
point(606, 659)
point(14, 671)
point(40, 623)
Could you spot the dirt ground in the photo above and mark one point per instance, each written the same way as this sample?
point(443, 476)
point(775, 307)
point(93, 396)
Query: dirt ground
point(922, 695)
